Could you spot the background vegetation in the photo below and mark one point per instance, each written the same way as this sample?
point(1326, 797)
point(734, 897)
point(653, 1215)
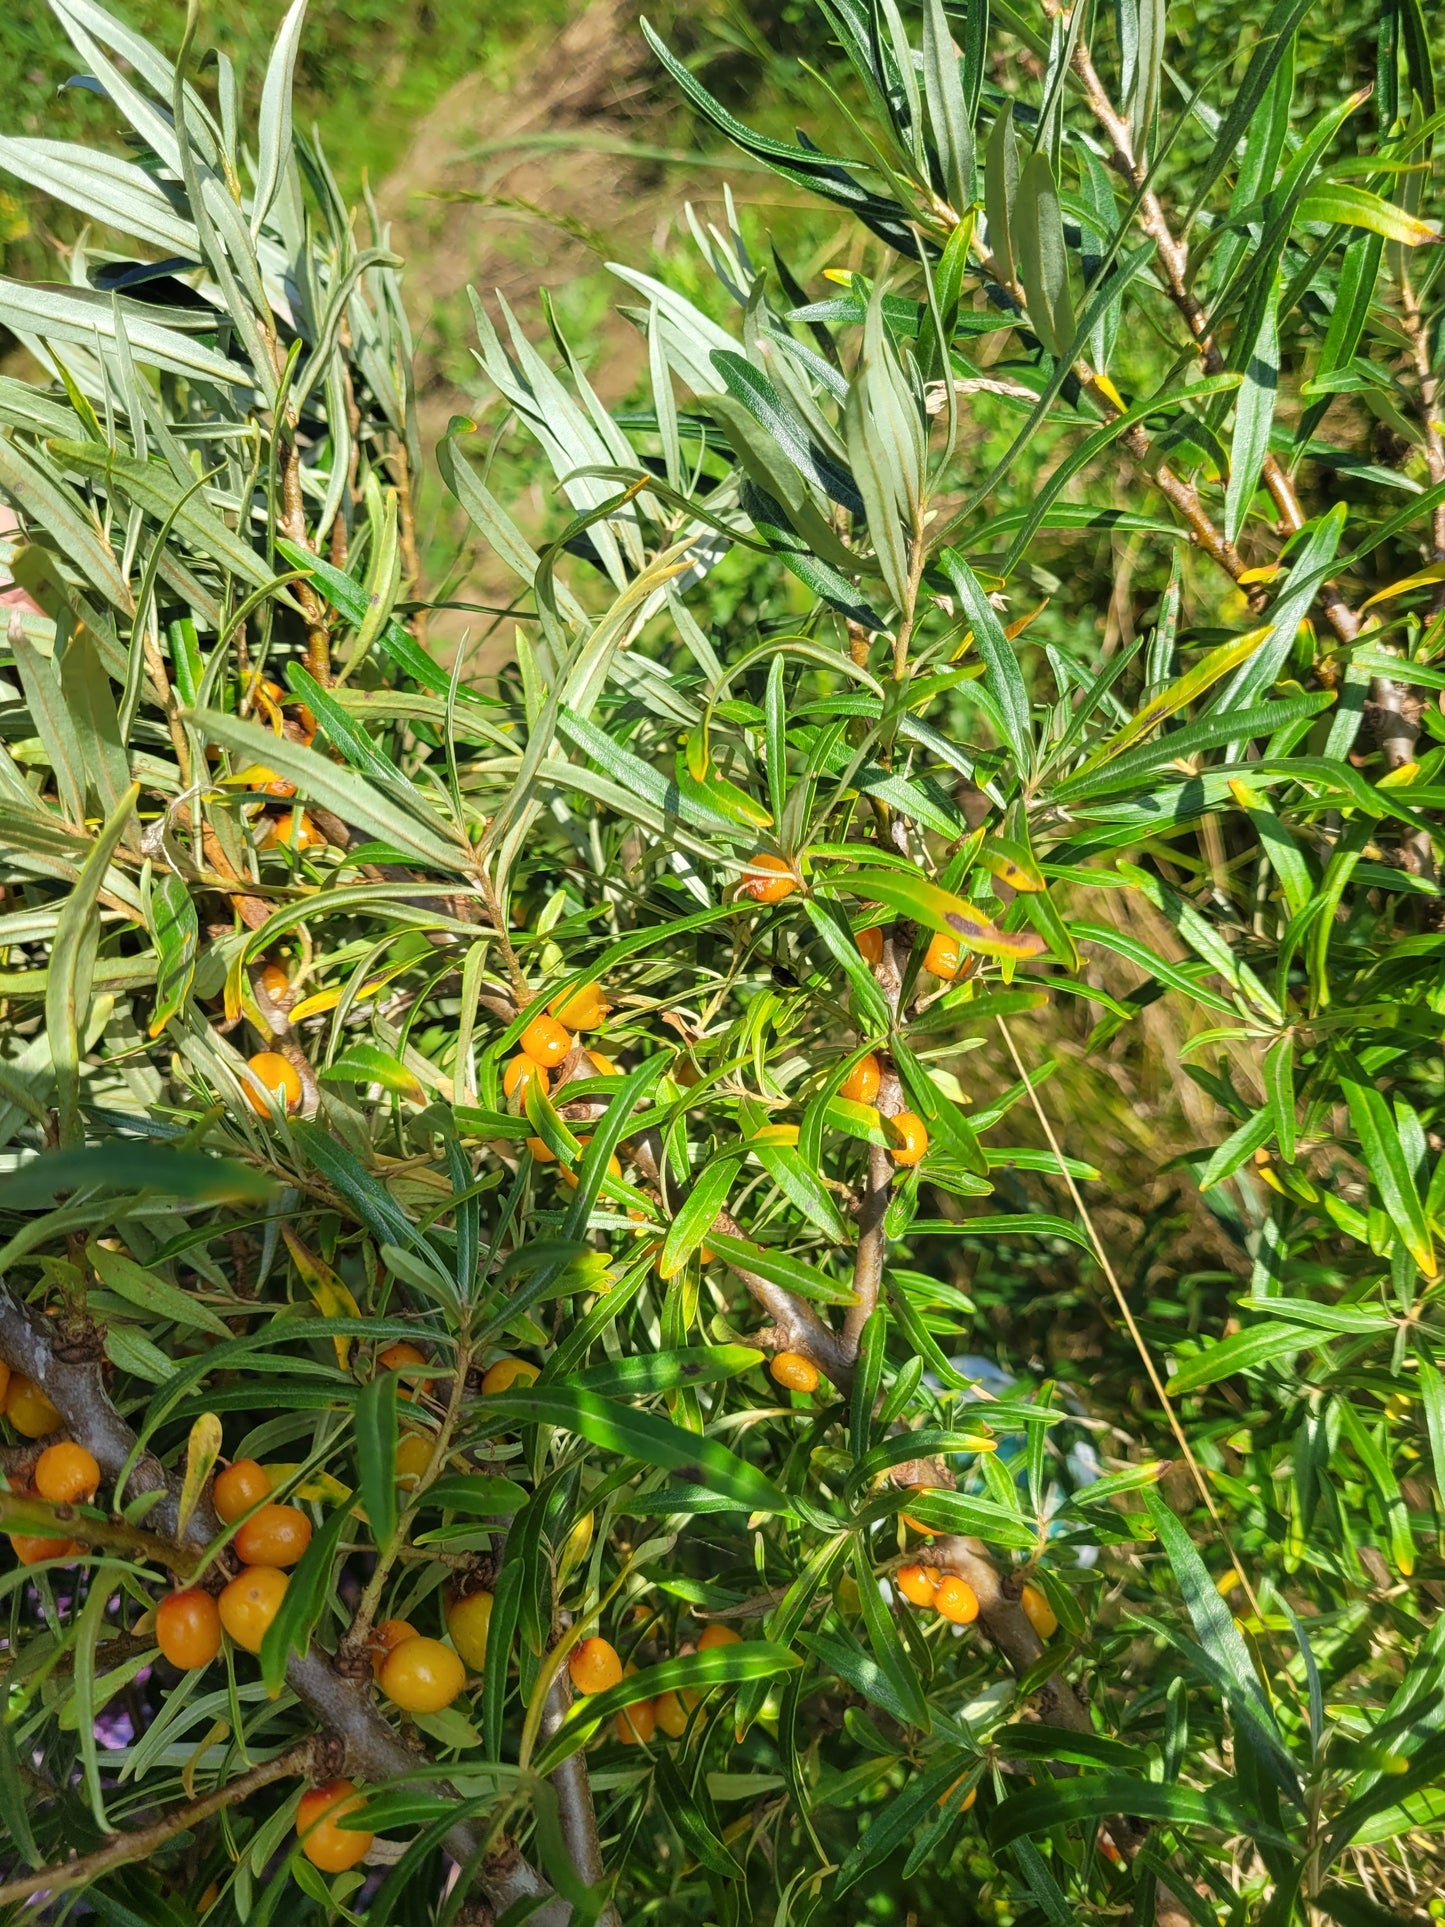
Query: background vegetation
point(1019, 515)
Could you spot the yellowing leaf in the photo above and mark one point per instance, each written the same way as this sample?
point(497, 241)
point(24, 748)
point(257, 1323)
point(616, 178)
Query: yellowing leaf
point(203, 1448)
point(1205, 673)
point(325, 1000)
point(775, 1134)
point(330, 1296)
point(1421, 579)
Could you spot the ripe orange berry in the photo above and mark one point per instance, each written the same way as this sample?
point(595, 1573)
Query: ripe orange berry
point(292, 831)
point(545, 1041)
point(237, 1489)
point(635, 1723)
point(422, 1676)
point(570, 1178)
point(399, 1357)
point(66, 1474)
point(670, 1714)
point(1041, 1615)
point(908, 1136)
point(508, 1372)
point(543, 1153)
point(386, 1636)
point(519, 1074)
point(30, 1550)
point(326, 1844)
point(594, 1666)
point(581, 1009)
point(768, 878)
point(469, 1620)
point(944, 956)
point(797, 1373)
point(916, 1586)
point(860, 1086)
point(275, 983)
point(249, 1604)
point(188, 1628)
point(277, 1535)
point(716, 1635)
point(413, 1456)
point(956, 1600)
point(28, 1409)
point(269, 1074)
point(870, 945)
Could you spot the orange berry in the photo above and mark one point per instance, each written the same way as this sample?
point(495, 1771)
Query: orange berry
point(469, 1620)
point(635, 1723)
point(422, 1676)
point(506, 1373)
point(277, 1535)
point(860, 1086)
point(400, 1357)
point(1041, 1615)
point(326, 1844)
point(916, 1586)
point(519, 1074)
point(581, 1009)
point(944, 956)
point(66, 1474)
point(908, 1136)
point(413, 1456)
point(269, 1074)
point(249, 1604)
point(30, 1550)
point(797, 1373)
point(237, 1489)
point(717, 1635)
point(28, 1409)
point(956, 1600)
point(570, 1178)
point(768, 878)
point(545, 1041)
point(870, 945)
point(275, 983)
point(594, 1666)
point(669, 1713)
point(292, 831)
point(386, 1636)
point(188, 1628)
point(543, 1153)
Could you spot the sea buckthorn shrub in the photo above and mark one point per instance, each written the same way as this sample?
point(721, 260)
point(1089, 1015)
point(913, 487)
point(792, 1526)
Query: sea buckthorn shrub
point(779, 1261)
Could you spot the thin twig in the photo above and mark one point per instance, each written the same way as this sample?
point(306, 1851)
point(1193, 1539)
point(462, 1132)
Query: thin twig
point(1129, 1320)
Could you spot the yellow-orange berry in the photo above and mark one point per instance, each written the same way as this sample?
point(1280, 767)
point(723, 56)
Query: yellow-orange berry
point(519, 1073)
point(30, 1550)
point(768, 878)
point(277, 1535)
point(570, 1178)
point(422, 1675)
point(1041, 1615)
point(66, 1474)
point(944, 956)
point(249, 1604)
point(545, 1041)
point(669, 1713)
point(594, 1665)
point(400, 1357)
point(188, 1628)
point(28, 1409)
point(581, 1009)
point(908, 1137)
point(413, 1456)
point(635, 1723)
point(325, 1843)
point(275, 983)
point(717, 1635)
point(237, 1489)
point(797, 1373)
point(469, 1620)
point(543, 1153)
point(956, 1600)
point(870, 945)
point(860, 1086)
point(916, 1586)
point(293, 830)
point(386, 1636)
point(506, 1373)
point(269, 1074)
